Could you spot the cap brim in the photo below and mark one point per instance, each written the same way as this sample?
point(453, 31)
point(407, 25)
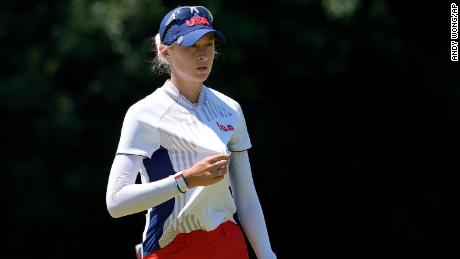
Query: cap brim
point(192, 37)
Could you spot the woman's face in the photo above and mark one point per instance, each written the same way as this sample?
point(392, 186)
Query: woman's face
point(193, 63)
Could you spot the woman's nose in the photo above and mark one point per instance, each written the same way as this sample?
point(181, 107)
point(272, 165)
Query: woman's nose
point(202, 57)
point(203, 54)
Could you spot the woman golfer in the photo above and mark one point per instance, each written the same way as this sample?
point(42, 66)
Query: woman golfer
point(189, 143)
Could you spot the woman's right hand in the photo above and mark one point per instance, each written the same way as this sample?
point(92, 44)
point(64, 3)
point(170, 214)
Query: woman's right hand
point(207, 171)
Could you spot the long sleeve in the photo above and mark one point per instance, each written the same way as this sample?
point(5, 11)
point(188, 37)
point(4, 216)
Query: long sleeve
point(125, 197)
point(248, 206)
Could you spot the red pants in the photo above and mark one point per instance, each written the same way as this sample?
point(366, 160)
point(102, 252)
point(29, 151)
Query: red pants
point(225, 242)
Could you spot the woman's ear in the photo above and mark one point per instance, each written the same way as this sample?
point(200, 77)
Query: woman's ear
point(164, 50)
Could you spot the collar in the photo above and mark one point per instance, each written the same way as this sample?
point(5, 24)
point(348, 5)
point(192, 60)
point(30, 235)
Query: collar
point(173, 92)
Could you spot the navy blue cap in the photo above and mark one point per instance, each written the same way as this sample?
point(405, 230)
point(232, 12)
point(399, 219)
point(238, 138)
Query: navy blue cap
point(187, 26)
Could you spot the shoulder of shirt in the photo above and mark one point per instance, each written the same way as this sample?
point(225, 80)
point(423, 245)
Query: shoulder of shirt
point(155, 103)
point(224, 98)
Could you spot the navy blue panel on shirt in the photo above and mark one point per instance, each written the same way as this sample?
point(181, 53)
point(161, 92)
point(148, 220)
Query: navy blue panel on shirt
point(158, 167)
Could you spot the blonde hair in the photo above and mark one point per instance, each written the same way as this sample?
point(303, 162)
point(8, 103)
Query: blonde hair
point(160, 64)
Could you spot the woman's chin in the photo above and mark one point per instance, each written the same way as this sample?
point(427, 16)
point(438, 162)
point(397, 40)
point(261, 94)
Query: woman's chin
point(202, 76)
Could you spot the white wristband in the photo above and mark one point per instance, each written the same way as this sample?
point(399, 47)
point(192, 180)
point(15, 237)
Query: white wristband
point(180, 182)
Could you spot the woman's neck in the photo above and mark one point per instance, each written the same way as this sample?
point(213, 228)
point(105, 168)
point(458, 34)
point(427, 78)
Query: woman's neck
point(190, 89)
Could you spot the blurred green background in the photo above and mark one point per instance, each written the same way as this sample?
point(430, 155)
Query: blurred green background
point(352, 107)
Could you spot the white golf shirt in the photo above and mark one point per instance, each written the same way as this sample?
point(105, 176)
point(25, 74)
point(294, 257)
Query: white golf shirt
point(173, 134)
